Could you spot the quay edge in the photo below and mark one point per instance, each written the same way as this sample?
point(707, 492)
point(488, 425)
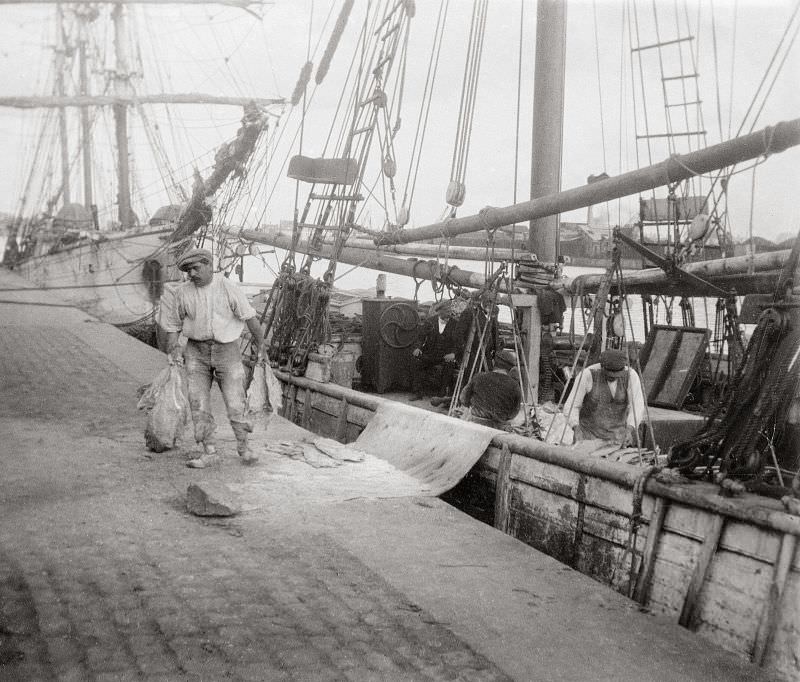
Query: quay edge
point(726, 569)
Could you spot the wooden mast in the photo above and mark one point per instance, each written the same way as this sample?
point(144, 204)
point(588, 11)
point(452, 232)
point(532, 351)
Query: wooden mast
point(85, 126)
point(61, 53)
point(548, 122)
point(121, 87)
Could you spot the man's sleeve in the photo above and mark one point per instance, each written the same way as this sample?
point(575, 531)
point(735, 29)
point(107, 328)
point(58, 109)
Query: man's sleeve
point(572, 407)
point(239, 304)
point(637, 406)
point(422, 335)
point(168, 312)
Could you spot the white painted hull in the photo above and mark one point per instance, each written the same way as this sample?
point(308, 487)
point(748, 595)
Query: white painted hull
point(107, 275)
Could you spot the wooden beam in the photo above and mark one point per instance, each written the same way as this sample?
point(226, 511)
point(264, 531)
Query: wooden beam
point(53, 102)
point(233, 3)
point(688, 615)
point(650, 549)
point(771, 613)
point(307, 409)
point(678, 167)
point(502, 491)
point(374, 260)
point(735, 270)
point(478, 253)
point(341, 424)
point(531, 326)
point(291, 404)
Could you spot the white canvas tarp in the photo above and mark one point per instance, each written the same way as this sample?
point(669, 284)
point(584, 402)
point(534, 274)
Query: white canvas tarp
point(432, 448)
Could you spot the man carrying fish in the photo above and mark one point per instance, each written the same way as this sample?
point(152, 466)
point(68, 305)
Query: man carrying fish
point(211, 311)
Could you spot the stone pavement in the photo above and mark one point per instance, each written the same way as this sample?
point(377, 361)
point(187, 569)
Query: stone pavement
point(104, 576)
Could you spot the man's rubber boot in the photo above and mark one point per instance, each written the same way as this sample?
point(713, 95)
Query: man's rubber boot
point(247, 455)
point(208, 459)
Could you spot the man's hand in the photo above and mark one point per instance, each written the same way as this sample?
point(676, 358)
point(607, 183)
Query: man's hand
point(175, 355)
point(632, 437)
point(255, 355)
point(416, 352)
point(450, 357)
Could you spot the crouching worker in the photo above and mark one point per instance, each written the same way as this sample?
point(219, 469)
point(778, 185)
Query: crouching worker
point(211, 311)
point(606, 401)
point(435, 357)
point(494, 398)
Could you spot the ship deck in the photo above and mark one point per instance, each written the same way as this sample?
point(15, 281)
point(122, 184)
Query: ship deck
point(104, 575)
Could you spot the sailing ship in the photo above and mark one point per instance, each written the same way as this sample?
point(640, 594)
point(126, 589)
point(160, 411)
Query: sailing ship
point(705, 541)
point(103, 258)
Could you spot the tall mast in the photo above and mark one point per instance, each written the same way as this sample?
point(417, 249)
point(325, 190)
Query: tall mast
point(85, 127)
point(61, 50)
point(548, 117)
point(121, 87)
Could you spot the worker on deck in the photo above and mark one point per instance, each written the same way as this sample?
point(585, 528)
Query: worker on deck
point(606, 401)
point(483, 311)
point(494, 398)
point(436, 353)
point(211, 311)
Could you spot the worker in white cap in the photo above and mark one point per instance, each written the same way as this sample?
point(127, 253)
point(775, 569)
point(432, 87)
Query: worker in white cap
point(212, 312)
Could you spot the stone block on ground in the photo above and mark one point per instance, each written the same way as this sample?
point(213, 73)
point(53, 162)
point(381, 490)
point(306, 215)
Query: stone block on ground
point(211, 498)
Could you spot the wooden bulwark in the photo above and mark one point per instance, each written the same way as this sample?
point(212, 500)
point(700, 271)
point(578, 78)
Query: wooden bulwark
point(736, 555)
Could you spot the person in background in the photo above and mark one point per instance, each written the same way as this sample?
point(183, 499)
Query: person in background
point(494, 398)
point(436, 353)
point(606, 401)
point(482, 309)
point(212, 312)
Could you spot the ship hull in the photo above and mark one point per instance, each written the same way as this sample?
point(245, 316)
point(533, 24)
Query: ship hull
point(118, 279)
point(726, 569)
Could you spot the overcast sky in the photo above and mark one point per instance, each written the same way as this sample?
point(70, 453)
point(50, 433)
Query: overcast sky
point(223, 50)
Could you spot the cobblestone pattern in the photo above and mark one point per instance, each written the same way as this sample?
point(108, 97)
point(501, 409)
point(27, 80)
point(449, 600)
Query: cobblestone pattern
point(104, 576)
point(75, 381)
point(224, 602)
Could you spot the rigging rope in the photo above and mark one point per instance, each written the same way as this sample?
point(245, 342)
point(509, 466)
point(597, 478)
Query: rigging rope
point(458, 169)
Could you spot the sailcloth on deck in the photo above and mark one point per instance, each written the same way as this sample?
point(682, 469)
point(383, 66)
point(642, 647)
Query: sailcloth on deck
point(430, 447)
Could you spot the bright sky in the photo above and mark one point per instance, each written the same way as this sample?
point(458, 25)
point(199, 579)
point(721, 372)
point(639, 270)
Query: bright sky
point(226, 51)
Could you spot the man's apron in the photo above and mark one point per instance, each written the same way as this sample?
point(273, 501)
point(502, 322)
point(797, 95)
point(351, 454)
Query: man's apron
point(602, 414)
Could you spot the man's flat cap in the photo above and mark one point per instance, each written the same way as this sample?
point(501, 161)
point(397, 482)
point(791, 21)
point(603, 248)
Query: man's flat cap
point(505, 358)
point(193, 256)
point(614, 362)
point(439, 306)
